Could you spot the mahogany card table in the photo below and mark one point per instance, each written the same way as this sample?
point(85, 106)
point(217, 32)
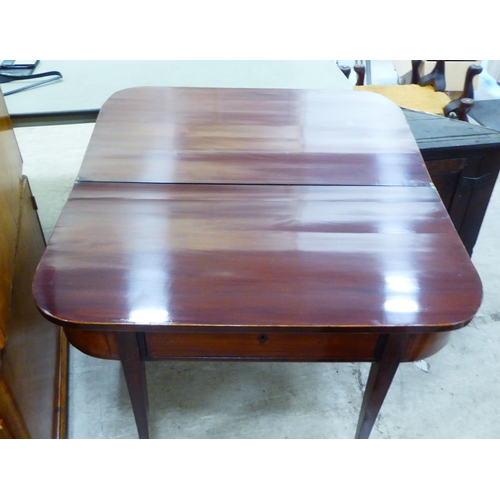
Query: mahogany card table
point(254, 224)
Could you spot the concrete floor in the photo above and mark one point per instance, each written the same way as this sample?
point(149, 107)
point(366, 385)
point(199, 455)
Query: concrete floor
point(453, 394)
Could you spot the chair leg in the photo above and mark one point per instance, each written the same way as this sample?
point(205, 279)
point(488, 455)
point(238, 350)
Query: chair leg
point(415, 77)
point(360, 70)
point(459, 108)
point(472, 71)
point(435, 78)
point(464, 107)
point(346, 70)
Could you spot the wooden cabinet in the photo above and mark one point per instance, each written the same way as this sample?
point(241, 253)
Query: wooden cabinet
point(463, 161)
point(33, 352)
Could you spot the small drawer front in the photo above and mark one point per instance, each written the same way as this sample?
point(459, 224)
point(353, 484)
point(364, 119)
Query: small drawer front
point(254, 346)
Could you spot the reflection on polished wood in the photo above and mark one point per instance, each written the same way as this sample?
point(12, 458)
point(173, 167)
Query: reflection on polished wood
point(255, 224)
point(191, 255)
point(246, 137)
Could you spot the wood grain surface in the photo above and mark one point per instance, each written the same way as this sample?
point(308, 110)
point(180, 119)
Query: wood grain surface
point(255, 225)
point(255, 246)
point(173, 135)
point(175, 255)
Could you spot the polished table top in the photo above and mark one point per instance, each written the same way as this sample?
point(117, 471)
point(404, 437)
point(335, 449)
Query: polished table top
point(255, 136)
point(242, 256)
point(255, 209)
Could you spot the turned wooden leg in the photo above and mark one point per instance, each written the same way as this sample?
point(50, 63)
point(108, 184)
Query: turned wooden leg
point(390, 350)
point(415, 76)
point(472, 71)
point(436, 78)
point(464, 107)
point(459, 108)
point(135, 375)
point(360, 70)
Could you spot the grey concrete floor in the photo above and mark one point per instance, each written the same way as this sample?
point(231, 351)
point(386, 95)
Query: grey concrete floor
point(453, 394)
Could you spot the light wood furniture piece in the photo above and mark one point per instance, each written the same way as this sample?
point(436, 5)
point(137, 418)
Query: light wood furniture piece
point(33, 351)
point(253, 224)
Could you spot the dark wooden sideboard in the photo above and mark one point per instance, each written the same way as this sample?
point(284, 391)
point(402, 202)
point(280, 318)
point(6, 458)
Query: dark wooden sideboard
point(463, 160)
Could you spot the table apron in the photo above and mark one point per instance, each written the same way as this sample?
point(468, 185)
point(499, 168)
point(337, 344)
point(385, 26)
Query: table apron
point(307, 346)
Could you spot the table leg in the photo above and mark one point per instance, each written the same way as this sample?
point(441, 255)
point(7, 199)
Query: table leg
point(390, 350)
point(135, 375)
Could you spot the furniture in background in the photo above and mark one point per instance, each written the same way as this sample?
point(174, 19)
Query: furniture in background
point(33, 351)
point(463, 160)
point(255, 224)
point(427, 93)
point(454, 73)
point(86, 85)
